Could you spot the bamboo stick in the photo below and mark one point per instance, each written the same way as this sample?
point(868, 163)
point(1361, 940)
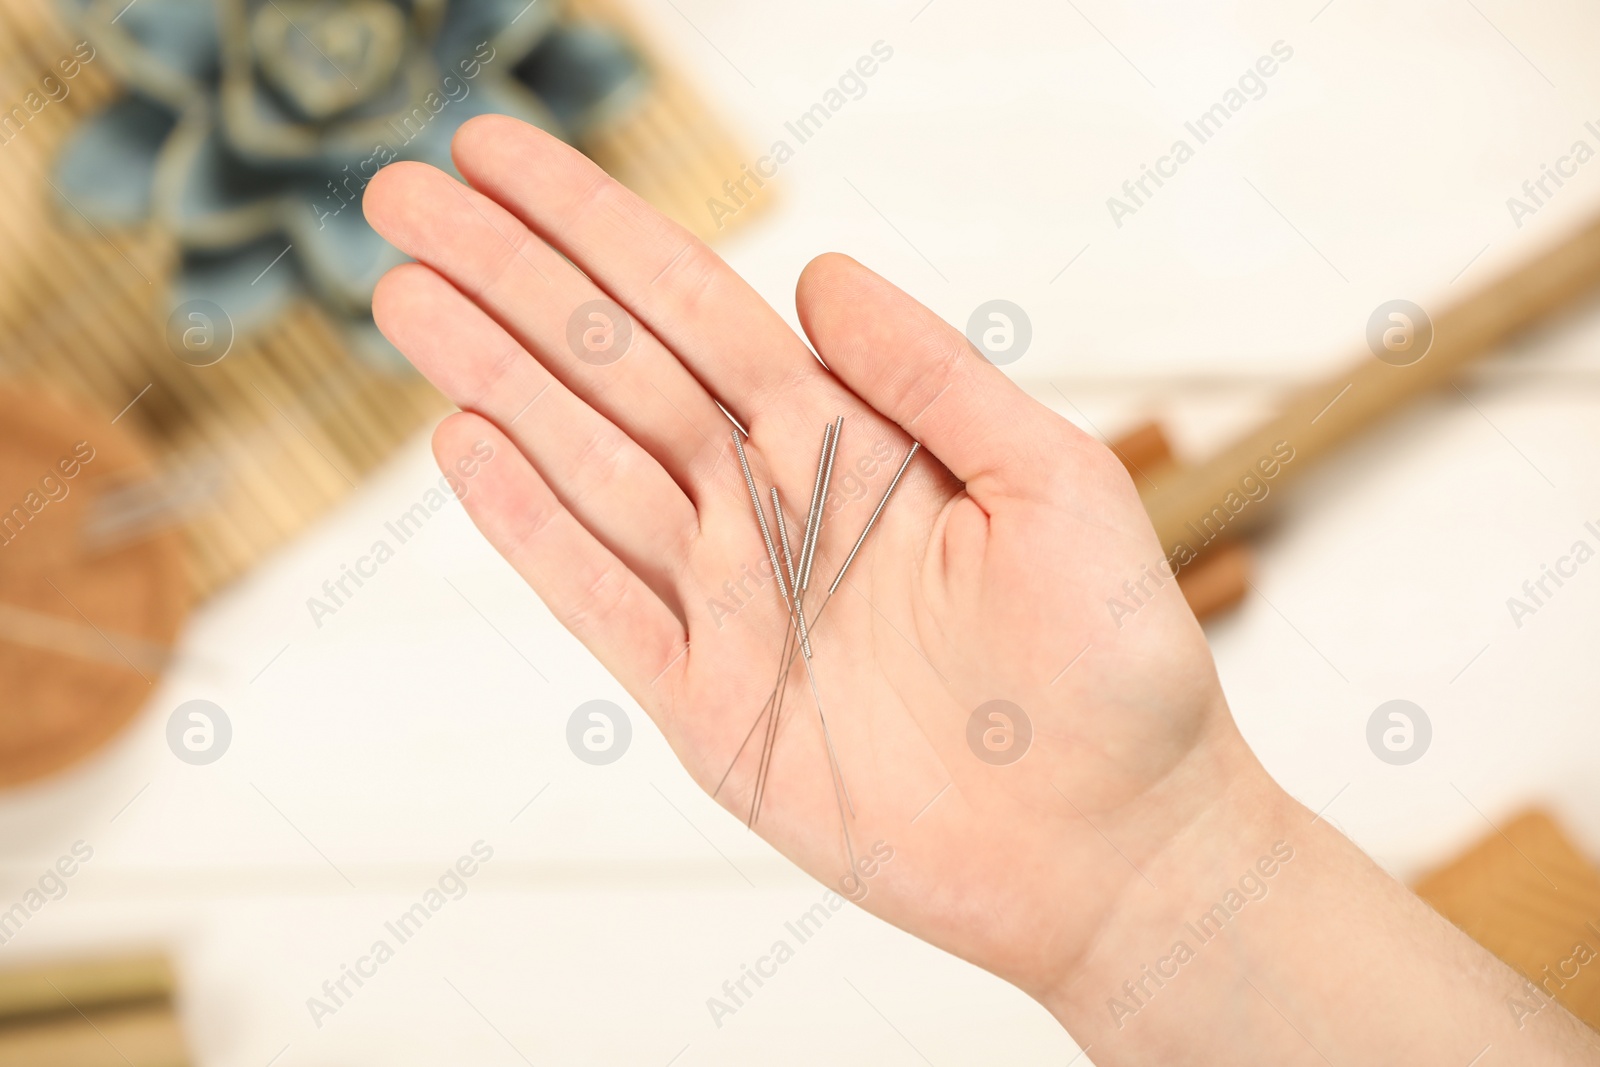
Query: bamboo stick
point(1191, 509)
point(148, 1036)
point(60, 987)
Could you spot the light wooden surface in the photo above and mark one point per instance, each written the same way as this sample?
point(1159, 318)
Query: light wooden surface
point(1528, 894)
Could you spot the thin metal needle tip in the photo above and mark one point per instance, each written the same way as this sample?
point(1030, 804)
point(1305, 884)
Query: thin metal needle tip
point(798, 619)
point(833, 755)
point(764, 760)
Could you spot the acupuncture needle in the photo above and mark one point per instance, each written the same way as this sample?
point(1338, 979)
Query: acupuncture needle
point(761, 517)
point(785, 657)
point(830, 441)
point(783, 595)
point(805, 576)
point(783, 533)
point(812, 516)
point(796, 619)
point(765, 762)
point(761, 714)
point(813, 529)
point(871, 522)
point(822, 502)
point(777, 574)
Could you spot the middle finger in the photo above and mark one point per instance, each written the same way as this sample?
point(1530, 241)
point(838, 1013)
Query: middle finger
point(550, 307)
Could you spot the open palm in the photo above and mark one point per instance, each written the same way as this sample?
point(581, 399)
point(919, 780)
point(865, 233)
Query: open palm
point(616, 492)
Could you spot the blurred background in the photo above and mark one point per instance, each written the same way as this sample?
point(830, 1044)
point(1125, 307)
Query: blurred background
point(250, 761)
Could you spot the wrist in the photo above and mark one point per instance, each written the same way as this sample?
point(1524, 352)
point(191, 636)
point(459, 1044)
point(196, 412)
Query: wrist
point(1267, 937)
point(1228, 835)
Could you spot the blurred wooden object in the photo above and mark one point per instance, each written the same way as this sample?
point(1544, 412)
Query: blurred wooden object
point(1144, 452)
point(147, 1036)
point(72, 984)
point(91, 1013)
point(1526, 894)
point(84, 629)
point(1318, 419)
point(1217, 580)
point(287, 423)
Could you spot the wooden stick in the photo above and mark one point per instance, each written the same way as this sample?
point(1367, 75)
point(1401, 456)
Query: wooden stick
point(147, 1035)
point(68, 986)
point(1190, 509)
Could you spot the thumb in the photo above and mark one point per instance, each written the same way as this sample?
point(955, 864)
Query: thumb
point(922, 373)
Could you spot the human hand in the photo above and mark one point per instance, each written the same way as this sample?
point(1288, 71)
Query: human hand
point(620, 500)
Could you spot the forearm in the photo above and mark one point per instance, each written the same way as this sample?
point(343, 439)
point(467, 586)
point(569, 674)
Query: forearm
point(1264, 936)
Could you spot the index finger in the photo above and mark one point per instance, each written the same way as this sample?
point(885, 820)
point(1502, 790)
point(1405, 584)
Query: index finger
point(739, 348)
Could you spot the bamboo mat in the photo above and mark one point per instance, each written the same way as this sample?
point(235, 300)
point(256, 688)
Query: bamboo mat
point(673, 151)
point(287, 423)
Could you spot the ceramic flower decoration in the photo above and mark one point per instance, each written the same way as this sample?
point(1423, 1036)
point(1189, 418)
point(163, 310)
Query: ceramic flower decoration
point(252, 126)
